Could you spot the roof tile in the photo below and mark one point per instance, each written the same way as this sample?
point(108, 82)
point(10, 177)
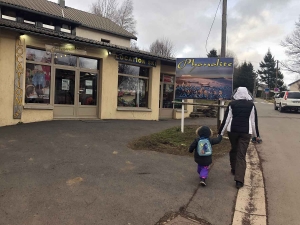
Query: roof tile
point(85, 18)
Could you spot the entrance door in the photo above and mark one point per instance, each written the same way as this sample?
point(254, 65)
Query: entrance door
point(166, 97)
point(75, 94)
point(64, 94)
point(87, 94)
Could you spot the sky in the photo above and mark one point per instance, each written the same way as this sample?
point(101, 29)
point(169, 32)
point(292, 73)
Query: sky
point(253, 26)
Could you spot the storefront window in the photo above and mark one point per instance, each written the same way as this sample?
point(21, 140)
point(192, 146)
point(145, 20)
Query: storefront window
point(133, 86)
point(88, 88)
point(168, 95)
point(64, 59)
point(37, 83)
point(86, 63)
point(39, 56)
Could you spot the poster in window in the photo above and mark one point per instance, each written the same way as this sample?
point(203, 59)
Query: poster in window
point(88, 83)
point(89, 91)
point(65, 84)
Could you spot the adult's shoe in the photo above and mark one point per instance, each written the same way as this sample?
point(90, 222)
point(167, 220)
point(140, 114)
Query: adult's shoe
point(239, 184)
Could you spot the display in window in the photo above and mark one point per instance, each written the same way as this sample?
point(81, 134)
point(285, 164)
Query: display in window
point(38, 55)
point(64, 59)
point(38, 81)
point(168, 79)
point(168, 95)
point(87, 63)
point(132, 92)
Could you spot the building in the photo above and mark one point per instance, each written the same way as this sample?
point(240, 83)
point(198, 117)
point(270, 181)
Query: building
point(58, 62)
point(295, 86)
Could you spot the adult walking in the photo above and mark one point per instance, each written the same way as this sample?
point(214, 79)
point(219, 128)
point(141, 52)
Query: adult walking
point(240, 119)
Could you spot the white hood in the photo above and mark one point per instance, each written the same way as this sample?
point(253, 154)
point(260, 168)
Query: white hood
point(242, 94)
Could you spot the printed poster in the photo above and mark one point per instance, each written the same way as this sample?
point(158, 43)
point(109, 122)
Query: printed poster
point(204, 78)
point(65, 86)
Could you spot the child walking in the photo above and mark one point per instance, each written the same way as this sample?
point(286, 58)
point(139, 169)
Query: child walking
point(203, 151)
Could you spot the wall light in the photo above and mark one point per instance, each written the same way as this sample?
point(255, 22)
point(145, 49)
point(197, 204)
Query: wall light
point(109, 52)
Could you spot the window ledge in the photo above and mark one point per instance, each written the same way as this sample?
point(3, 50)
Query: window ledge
point(179, 110)
point(137, 109)
point(38, 107)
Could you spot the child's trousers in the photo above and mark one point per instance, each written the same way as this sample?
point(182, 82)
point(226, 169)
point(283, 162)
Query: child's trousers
point(203, 171)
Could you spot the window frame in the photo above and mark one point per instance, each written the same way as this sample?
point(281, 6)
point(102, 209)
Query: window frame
point(138, 77)
point(50, 64)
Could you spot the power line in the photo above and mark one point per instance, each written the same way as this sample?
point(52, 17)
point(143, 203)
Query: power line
point(212, 26)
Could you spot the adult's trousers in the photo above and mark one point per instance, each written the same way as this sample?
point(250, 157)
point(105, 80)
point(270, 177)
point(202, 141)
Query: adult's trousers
point(239, 145)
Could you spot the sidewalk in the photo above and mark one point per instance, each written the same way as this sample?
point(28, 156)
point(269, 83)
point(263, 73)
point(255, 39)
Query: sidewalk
point(81, 172)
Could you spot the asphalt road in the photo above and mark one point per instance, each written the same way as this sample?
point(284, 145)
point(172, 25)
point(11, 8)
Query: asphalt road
point(280, 154)
point(83, 173)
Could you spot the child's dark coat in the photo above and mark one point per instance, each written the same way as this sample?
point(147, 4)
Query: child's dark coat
point(203, 132)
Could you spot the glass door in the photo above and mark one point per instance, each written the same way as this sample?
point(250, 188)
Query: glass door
point(64, 93)
point(87, 95)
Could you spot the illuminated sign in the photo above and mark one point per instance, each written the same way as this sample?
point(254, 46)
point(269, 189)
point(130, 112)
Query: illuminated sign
point(135, 60)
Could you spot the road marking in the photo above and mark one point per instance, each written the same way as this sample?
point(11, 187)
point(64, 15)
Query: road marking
point(263, 102)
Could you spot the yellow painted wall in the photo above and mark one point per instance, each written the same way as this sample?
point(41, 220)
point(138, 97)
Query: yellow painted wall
point(168, 69)
point(7, 70)
point(97, 35)
point(7, 73)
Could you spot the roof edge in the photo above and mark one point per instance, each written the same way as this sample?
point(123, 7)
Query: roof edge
point(38, 12)
point(293, 82)
point(110, 47)
point(110, 32)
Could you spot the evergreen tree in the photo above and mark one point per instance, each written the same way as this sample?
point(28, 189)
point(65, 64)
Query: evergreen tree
point(268, 72)
point(244, 76)
point(212, 53)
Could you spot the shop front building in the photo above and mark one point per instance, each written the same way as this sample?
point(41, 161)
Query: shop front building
point(50, 72)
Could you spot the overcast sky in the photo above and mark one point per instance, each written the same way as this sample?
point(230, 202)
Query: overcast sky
point(253, 26)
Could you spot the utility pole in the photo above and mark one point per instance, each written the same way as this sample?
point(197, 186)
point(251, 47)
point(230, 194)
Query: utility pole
point(224, 28)
point(223, 54)
point(276, 75)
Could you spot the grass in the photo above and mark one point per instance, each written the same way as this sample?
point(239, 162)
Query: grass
point(172, 141)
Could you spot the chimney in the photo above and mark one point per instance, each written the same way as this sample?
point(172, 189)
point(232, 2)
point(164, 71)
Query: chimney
point(62, 3)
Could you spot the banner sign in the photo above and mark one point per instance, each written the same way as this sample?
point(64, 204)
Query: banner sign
point(204, 78)
point(135, 60)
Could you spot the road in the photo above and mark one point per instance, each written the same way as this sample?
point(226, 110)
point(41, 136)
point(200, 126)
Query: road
point(280, 154)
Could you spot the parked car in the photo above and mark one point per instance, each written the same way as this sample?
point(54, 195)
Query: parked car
point(287, 100)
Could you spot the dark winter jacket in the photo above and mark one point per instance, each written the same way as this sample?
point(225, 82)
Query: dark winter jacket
point(240, 117)
point(203, 132)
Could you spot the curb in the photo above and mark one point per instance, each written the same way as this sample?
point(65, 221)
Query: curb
point(250, 208)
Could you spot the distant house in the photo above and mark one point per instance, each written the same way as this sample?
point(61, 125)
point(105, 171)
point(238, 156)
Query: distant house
point(295, 86)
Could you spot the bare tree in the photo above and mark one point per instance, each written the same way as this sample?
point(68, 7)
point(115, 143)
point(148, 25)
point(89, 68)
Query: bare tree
point(231, 54)
point(163, 47)
point(105, 8)
point(292, 50)
point(133, 45)
point(123, 15)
